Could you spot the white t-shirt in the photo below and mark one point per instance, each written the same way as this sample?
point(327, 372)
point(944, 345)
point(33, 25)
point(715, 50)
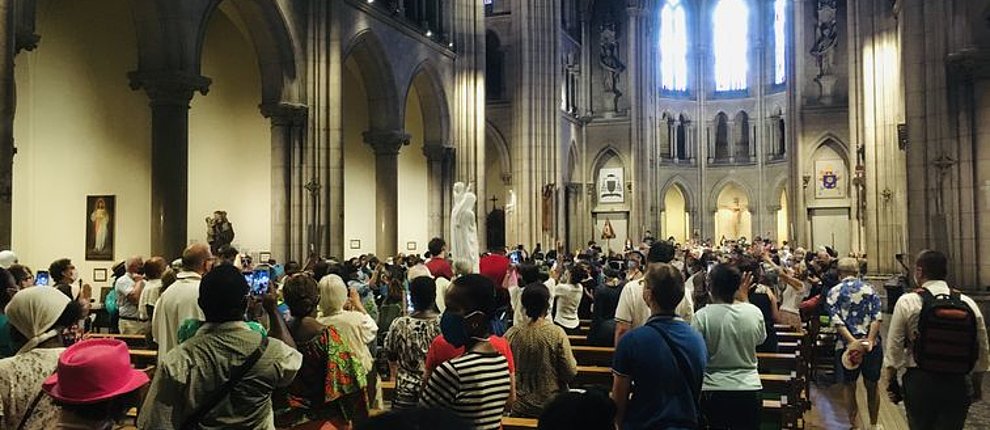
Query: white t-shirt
point(179, 303)
point(633, 309)
point(515, 298)
point(791, 298)
point(568, 299)
point(149, 296)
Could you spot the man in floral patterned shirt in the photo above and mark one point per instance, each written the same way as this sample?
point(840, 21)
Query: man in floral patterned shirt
point(855, 310)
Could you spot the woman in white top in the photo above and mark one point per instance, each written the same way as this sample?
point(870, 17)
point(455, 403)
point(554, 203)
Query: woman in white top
point(341, 308)
point(568, 295)
point(154, 268)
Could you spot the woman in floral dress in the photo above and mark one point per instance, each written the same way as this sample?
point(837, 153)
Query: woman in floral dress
point(329, 391)
point(409, 340)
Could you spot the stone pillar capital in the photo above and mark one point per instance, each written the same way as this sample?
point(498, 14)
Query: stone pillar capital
point(283, 113)
point(636, 7)
point(434, 151)
point(386, 142)
point(175, 88)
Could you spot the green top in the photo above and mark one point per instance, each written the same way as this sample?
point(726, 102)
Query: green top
point(731, 334)
point(6, 344)
point(189, 328)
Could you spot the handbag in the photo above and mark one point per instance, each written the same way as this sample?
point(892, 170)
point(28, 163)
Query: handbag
point(191, 422)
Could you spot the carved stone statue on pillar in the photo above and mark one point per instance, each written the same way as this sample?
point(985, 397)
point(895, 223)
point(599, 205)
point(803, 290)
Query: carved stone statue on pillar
point(609, 59)
point(826, 39)
point(464, 226)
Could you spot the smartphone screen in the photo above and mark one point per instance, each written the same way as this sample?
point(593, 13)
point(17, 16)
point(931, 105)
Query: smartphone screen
point(249, 277)
point(41, 278)
point(514, 258)
point(262, 278)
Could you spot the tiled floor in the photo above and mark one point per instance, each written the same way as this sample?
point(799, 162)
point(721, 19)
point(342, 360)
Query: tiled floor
point(828, 412)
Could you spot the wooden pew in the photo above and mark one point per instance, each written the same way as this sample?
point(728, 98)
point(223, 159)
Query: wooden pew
point(578, 340)
point(141, 358)
point(513, 423)
point(593, 355)
point(133, 341)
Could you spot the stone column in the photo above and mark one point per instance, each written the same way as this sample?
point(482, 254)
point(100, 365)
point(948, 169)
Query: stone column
point(7, 106)
point(435, 153)
point(287, 124)
point(170, 93)
point(386, 144)
point(640, 69)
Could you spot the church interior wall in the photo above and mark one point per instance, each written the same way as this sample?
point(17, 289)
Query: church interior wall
point(413, 197)
point(229, 141)
point(981, 161)
point(80, 131)
point(359, 166)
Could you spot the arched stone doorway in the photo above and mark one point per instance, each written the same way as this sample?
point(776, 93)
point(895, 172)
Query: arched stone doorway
point(733, 219)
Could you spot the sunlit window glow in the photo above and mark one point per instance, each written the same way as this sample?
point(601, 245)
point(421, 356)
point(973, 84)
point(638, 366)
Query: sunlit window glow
point(780, 41)
point(673, 47)
point(730, 22)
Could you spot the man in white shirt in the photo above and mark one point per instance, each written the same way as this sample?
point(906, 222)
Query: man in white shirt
point(181, 300)
point(933, 400)
point(632, 311)
point(129, 289)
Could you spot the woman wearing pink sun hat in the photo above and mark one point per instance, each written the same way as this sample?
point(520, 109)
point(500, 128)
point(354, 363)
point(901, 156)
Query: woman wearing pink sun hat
point(94, 384)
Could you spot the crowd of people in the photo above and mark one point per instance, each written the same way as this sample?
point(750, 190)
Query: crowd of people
point(309, 345)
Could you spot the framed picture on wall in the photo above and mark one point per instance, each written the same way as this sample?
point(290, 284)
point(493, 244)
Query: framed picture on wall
point(830, 181)
point(101, 213)
point(355, 244)
point(264, 256)
point(610, 185)
point(410, 246)
point(100, 274)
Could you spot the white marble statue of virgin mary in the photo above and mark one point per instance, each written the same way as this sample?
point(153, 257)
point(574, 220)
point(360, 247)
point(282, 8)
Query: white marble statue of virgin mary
point(464, 226)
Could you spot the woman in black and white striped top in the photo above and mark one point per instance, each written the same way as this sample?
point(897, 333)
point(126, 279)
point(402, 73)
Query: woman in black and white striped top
point(476, 385)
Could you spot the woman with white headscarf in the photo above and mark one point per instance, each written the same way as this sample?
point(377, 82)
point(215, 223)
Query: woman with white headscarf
point(341, 308)
point(37, 317)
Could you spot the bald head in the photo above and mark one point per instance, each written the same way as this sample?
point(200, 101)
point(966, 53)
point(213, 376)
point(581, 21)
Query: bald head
point(195, 258)
point(135, 264)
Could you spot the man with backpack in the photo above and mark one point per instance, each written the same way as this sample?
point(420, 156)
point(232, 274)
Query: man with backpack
point(938, 338)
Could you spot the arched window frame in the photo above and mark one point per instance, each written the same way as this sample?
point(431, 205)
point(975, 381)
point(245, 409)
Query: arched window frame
point(673, 48)
point(730, 46)
point(780, 43)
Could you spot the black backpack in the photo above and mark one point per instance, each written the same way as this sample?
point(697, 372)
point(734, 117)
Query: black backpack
point(947, 334)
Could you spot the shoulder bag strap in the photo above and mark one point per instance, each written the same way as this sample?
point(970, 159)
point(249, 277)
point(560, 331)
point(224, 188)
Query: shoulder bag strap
point(30, 410)
point(236, 375)
point(683, 368)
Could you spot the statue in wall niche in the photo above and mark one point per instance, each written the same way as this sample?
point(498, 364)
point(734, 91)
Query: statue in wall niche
point(464, 226)
point(219, 231)
point(609, 59)
point(826, 37)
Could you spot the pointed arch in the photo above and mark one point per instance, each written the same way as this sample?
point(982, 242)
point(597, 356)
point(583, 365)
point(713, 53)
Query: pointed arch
point(495, 138)
point(603, 156)
point(680, 183)
point(722, 150)
point(433, 103)
point(266, 27)
point(367, 51)
point(832, 141)
point(720, 186)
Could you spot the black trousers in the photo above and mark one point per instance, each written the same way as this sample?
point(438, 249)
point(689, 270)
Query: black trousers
point(731, 410)
point(936, 401)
